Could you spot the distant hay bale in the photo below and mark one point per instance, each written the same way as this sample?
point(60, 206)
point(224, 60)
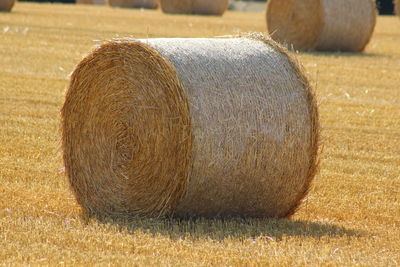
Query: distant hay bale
point(190, 127)
point(210, 7)
point(151, 4)
point(201, 7)
point(177, 6)
point(6, 5)
point(396, 7)
point(326, 25)
point(91, 2)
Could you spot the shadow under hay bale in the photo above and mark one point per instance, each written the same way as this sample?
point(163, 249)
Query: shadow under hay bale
point(151, 4)
point(6, 5)
point(219, 229)
point(325, 25)
point(200, 7)
point(190, 127)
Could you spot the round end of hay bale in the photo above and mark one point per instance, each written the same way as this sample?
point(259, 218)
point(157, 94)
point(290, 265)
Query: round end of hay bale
point(6, 5)
point(126, 132)
point(296, 24)
point(150, 4)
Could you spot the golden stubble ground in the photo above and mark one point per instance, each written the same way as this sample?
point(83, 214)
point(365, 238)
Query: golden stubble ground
point(351, 216)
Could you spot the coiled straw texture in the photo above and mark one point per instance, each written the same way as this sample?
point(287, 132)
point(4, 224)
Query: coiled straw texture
point(190, 127)
point(6, 5)
point(325, 25)
point(151, 4)
point(201, 7)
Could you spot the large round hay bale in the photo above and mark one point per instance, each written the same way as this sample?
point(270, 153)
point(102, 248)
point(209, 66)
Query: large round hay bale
point(190, 127)
point(6, 5)
point(152, 4)
point(326, 25)
point(201, 7)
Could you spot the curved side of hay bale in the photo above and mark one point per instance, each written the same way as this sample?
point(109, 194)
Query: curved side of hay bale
point(151, 4)
point(177, 6)
point(348, 25)
point(191, 127)
point(6, 5)
point(296, 24)
point(126, 132)
point(313, 150)
point(210, 7)
point(255, 137)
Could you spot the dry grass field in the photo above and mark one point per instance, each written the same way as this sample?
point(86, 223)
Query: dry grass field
point(352, 214)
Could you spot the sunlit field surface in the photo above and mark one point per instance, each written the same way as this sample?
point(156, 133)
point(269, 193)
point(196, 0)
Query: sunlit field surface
point(351, 216)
